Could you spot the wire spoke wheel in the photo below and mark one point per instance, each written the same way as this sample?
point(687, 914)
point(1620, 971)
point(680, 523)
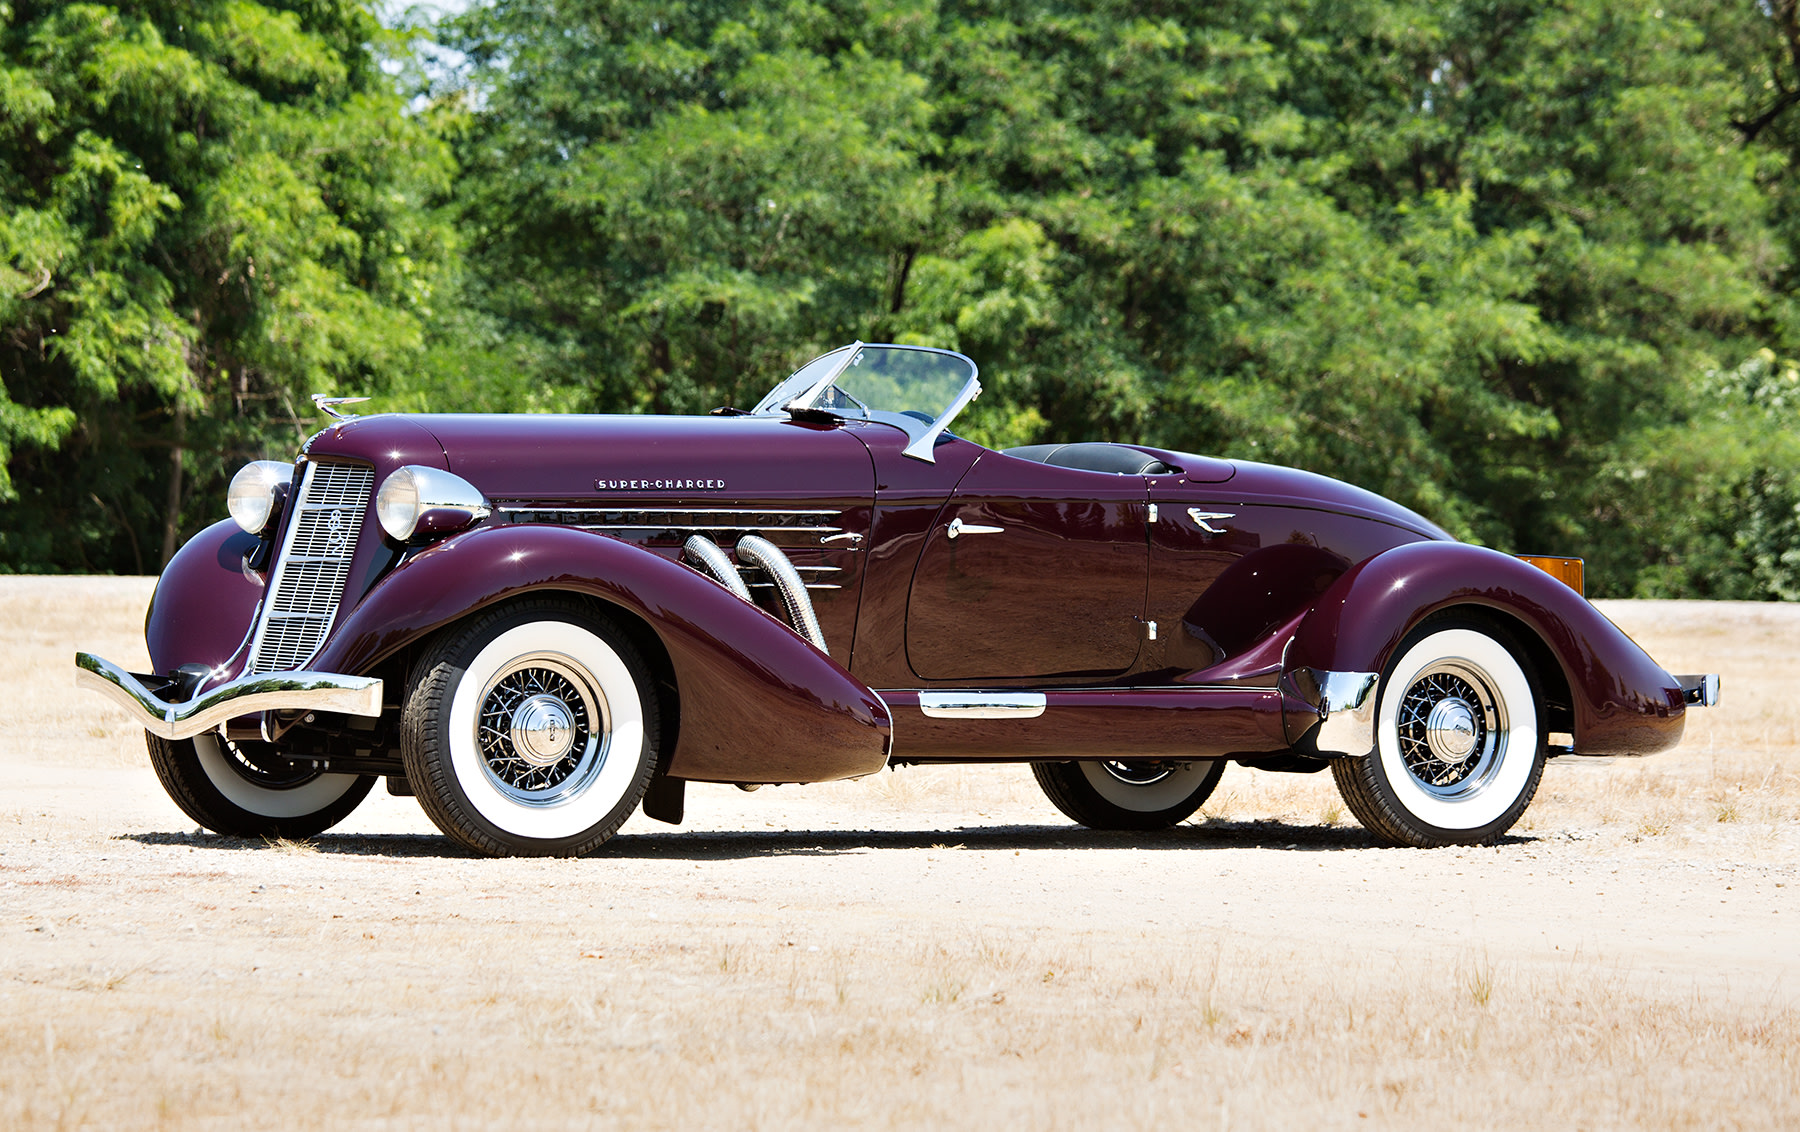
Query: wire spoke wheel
point(1458, 747)
point(1139, 772)
point(1452, 729)
point(543, 729)
point(531, 729)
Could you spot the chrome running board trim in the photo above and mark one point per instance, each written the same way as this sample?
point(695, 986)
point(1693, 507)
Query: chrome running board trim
point(247, 695)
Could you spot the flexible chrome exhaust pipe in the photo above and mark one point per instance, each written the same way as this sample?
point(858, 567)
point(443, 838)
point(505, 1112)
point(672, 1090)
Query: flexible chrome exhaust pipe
point(716, 564)
point(759, 551)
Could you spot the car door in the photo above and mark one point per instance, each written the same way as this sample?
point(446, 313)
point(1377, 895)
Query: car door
point(1031, 571)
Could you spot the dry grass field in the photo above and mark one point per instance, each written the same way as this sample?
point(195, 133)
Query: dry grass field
point(923, 948)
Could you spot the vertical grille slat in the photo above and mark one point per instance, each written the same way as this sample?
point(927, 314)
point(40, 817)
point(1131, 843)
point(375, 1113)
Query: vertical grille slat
point(308, 582)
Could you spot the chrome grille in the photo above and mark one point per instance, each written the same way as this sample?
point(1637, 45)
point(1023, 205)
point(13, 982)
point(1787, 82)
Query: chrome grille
point(308, 582)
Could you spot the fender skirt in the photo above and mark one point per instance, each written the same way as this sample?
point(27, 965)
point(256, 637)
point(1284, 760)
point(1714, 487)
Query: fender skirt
point(757, 703)
point(1624, 703)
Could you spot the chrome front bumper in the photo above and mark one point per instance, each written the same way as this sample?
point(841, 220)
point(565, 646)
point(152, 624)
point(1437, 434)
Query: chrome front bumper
point(247, 695)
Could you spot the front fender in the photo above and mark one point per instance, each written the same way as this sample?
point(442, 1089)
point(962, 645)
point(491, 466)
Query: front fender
point(758, 704)
point(1624, 703)
point(204, 604)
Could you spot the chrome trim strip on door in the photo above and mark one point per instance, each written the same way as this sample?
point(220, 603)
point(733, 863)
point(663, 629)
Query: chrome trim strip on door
point(982, 705)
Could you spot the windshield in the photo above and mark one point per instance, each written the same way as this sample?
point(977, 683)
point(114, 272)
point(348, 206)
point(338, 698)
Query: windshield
point(915, 388)
point(802, 380)
point(897, 379)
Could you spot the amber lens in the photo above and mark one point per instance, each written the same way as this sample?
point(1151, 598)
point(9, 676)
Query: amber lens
point(1570, 572)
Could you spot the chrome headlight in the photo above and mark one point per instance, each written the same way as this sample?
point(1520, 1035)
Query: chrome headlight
point(251, 496)
point(418, 500)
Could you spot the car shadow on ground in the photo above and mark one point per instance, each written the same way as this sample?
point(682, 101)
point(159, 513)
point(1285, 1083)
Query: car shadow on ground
point(734, 845)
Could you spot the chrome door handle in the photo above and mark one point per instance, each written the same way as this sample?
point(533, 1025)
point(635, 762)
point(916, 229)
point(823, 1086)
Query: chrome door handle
point(851, 537)
point(958, 527)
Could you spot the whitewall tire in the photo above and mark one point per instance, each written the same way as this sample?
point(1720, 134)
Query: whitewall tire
point(1129, 794)
point(247, 790)
point(1459, 744)
point(531, 730)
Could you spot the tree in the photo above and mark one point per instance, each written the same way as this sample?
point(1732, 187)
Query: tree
point(208, 209)
point(1477, 257)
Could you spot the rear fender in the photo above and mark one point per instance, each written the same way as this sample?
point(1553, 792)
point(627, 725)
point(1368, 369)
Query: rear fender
point(1623, 702)
point(758, 704)
point(205, 602)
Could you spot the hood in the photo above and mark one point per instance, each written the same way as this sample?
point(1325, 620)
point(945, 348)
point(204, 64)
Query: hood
point(528, 456)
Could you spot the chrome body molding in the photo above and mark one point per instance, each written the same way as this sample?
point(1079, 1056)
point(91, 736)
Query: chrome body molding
point(683, 523)
point(247, 695)
point(1700, 690)
point(1345, 702)
point(982, 705)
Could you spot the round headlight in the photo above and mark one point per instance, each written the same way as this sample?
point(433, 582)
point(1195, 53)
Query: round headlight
point(417, 500)
point(397, 504)
point(251, 496)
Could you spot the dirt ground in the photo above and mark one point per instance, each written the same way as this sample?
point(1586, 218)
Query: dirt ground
point(922, 948)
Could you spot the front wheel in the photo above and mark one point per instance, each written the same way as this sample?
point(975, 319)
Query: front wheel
point(531, 730)
point(1458, 750)
point(1129, 794)
point(249, 790)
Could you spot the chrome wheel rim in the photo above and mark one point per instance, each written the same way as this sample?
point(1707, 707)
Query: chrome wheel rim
point(542, 730)
point(1138, 772)
point(1452, 730)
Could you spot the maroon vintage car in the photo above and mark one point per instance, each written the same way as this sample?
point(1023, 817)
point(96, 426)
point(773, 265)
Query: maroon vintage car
point(536, 623)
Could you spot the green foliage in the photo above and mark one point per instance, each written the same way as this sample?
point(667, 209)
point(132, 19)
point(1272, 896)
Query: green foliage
point(1527, 266)
point(1481, 258)
point(208, 209)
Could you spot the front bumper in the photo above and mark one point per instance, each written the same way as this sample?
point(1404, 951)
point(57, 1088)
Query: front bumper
point(247, 695)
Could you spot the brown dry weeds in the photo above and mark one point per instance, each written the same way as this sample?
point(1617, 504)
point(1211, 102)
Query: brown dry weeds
point(928, 947)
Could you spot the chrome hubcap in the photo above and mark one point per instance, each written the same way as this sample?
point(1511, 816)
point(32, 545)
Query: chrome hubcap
point(543, 729)
point(1452, 729)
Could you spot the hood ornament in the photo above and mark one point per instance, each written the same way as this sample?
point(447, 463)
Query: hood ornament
point(328, 406)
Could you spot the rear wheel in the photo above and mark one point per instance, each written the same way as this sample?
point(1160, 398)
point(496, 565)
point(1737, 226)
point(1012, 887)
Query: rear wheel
point(1129, 794)
point(1458, 750)
point(249, 790)
point(531, 731)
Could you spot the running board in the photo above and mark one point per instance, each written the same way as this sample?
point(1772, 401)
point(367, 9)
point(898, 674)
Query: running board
point(1020, 725)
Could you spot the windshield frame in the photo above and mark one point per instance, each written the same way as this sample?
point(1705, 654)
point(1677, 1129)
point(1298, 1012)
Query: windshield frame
point(921, 436)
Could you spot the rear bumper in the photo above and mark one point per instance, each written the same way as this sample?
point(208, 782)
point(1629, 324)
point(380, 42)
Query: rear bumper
point(1701, 690)
point(247, 695)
